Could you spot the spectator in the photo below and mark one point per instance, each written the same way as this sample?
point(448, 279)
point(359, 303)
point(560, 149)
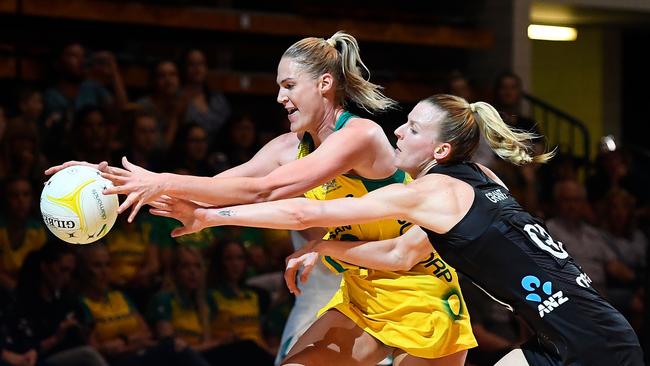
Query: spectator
point(630, 246)
point(142, 138)
point(585, 243)
point(166, 102)
point(70, 93)
point(205, 241)
point(90, 138)
point(21, 153)
point(208, 108)
point(135, 258)
point(614, 170)
point(21, 232)
point(16, 346)
point(30, 106)
point(242, 142)
point(508, 95)
point(238, 304)
point(562, 167)
point(118, 330)
point(459, 85)
point(49, 307)
point(104, 70)
point(186, 311)
point(522, 181)
point(190, 152)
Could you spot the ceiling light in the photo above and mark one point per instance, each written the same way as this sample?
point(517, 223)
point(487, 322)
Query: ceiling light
point(552, 33)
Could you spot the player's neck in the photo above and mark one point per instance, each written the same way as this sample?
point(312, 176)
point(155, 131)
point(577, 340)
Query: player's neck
point(327, 125)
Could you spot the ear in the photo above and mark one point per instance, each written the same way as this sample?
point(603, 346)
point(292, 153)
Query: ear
point(325, 83)
point(442, 151)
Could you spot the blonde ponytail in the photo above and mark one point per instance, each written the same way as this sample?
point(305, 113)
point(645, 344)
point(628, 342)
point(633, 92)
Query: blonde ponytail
point(510, 144)
point(361, 91)
point(465, 122)
point(339, 55)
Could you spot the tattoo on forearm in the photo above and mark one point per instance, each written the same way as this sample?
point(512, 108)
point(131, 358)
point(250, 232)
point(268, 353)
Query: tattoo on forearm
point(226, 213)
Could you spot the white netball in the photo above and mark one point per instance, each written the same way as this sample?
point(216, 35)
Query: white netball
point(74, 207)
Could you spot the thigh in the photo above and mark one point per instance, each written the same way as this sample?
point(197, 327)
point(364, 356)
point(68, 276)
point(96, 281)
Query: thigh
point(528, 356)
point(334, 338)
point(404, 359)
point(513, 358)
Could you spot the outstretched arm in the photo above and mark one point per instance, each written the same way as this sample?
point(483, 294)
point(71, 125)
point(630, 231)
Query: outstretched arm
point(340, 153)
point(394, 201)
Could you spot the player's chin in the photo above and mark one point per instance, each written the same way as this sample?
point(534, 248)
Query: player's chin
point(296, 127)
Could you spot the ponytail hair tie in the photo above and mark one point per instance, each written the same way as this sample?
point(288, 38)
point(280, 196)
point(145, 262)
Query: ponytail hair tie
point(330, 41)
point(472, 107)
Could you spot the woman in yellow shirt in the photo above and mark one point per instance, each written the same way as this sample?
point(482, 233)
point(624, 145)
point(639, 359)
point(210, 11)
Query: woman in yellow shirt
point(239, 308)
point(118, 330)
point(20, 232)
point(186, 310)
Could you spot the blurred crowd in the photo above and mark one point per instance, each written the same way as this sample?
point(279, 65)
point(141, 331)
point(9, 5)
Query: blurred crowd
point(217, 296)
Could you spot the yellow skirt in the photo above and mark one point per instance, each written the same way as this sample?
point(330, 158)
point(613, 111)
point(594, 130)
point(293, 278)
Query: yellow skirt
point(417, 312)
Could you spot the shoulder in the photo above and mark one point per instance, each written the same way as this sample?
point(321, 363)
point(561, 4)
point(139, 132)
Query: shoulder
point(596, 237)
point(284, 147)
point(286, 140)
point(490, 174)
point(116, 295)
point(362, 138)
point(441, 189)
point(364, 127)
point(435, 180)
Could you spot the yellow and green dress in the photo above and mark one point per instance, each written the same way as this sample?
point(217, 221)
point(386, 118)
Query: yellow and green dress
point(420, 311)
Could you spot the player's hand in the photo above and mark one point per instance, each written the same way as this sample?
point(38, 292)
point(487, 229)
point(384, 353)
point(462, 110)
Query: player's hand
point(305, 258)
point(102, 167)
point(191, 215)
point(140, 186)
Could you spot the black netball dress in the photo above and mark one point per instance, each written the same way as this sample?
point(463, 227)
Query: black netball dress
point(510, 255)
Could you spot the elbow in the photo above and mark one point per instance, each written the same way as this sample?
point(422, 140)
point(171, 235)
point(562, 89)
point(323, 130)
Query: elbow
point(260, 191)
point(402, 260)
point(302, 215)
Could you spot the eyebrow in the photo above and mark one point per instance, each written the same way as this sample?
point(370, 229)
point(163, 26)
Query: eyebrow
point(286, 79)
point(415, 123)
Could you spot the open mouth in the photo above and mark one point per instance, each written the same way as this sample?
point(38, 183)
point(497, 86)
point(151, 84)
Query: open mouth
point(291, 111)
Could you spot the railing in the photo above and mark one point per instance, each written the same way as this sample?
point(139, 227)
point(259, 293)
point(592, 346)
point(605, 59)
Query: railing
point(561, 129)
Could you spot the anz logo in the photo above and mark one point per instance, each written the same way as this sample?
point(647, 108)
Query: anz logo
point(532, 284)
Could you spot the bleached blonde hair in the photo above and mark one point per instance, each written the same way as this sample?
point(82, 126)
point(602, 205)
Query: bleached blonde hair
point(339, 56)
